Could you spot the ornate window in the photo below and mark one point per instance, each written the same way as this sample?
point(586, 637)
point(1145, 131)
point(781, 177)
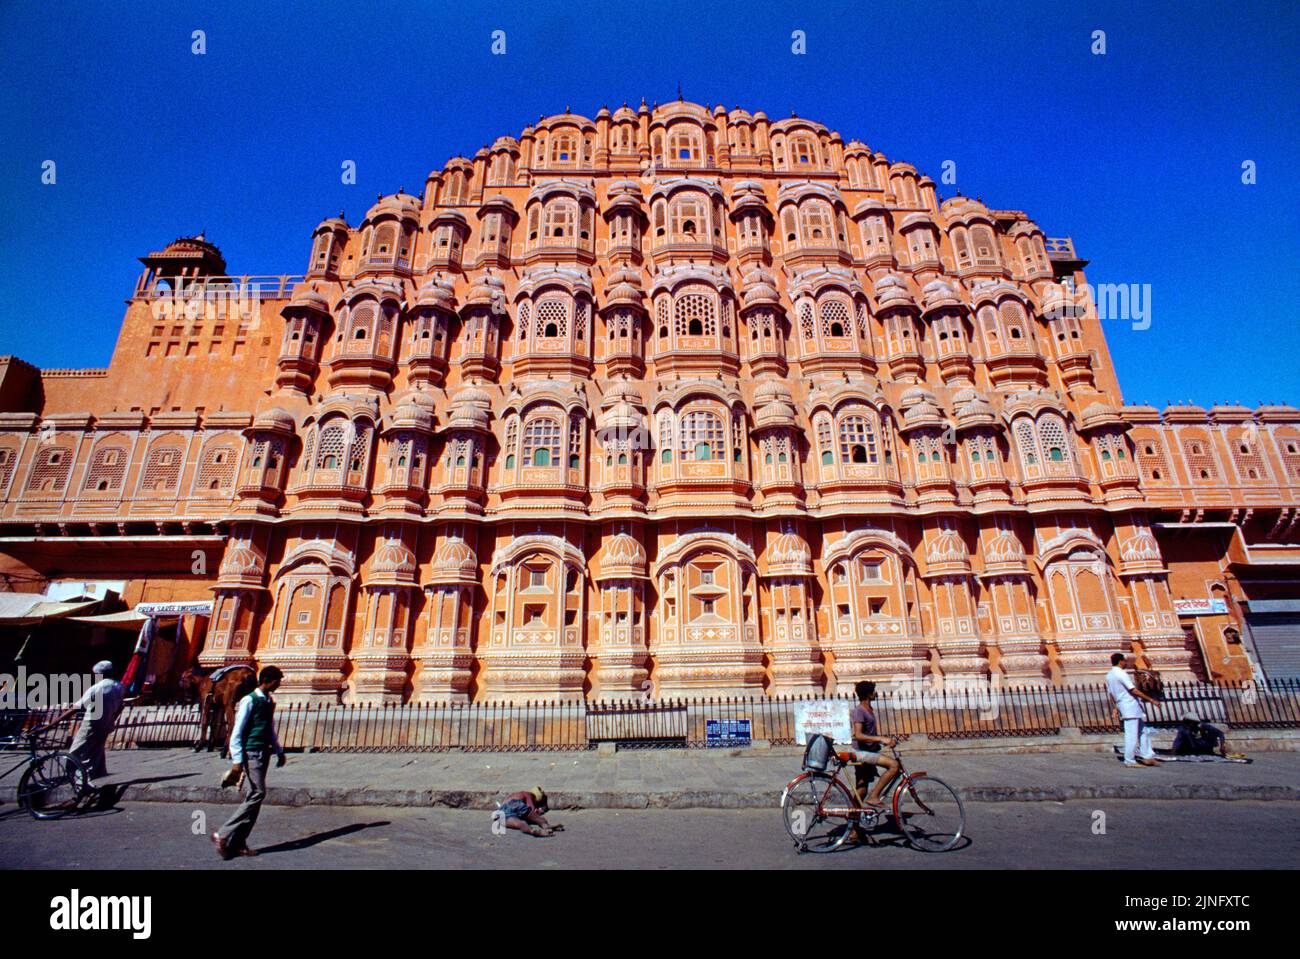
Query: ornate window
point(512, 440)
point(703, 437)
point(50, 472)
point(1151, 458)
point(695, 315)
point(561, 220)
point(817, 223)
point(689, 217)
point(162, 469)
point(216, 468)
point(552, 319)
point(107, 467)
point(823, 427)
point(1199, 459)
point(857, 439)
point(835, 320)
point(542, 442)
point(1246, 458)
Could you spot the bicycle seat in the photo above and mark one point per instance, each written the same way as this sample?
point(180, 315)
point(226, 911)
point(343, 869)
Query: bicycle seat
point(846, 757)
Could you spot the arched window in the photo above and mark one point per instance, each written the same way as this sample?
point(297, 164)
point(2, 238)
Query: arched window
point(561, 220)
point(857, 439)
point(703, 437)
point(689, 218)
point(695, 315)
point(329, 452)
point(835, 320)
point(817, 223)
point(684, 144)
point(552, 319)
point(542, 441)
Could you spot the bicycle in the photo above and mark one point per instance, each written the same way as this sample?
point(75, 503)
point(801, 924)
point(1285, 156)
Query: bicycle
point(55, 782)
point(820, 810)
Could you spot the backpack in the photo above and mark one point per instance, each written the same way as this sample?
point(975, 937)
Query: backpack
point(818, 753)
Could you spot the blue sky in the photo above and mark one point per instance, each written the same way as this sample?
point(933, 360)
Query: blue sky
point(1135, 154)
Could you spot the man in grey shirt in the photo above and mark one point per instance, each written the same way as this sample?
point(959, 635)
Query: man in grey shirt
point(102, 703)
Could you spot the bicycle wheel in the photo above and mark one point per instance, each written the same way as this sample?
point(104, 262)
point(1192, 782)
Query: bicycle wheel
point(802, 805)
point(931, 814)
point(53, 785)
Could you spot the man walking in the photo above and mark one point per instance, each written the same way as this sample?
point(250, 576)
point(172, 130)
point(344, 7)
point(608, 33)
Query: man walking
point(1137, 738)
point(252, 741)
point(102, 704)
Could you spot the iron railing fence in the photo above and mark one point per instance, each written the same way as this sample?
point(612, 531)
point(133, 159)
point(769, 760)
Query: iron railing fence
point(957, 712)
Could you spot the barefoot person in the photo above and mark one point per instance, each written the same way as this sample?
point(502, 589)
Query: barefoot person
point(252, 741)
point(102, 703)
point(1128, 703)
point(866, 745)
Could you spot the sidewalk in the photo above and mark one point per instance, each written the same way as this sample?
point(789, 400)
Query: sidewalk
point(677, 779)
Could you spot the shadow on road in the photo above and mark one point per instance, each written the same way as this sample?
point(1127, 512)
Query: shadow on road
point(293, 845)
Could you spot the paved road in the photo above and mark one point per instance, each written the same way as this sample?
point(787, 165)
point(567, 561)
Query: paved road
point(1200, 834)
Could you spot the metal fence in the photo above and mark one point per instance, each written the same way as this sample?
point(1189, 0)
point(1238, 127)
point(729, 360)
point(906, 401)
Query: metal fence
point(951, 713)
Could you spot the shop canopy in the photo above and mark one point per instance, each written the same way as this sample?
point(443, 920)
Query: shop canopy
point(25, 609)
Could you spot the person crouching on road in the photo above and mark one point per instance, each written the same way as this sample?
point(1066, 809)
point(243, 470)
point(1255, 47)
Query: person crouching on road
point(1137, 737)
point(1196, 738)
point(252, 741)
point(102, 703)
point(526, 811)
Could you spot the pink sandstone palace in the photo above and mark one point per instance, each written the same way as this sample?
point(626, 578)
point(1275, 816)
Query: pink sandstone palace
point(673, 402)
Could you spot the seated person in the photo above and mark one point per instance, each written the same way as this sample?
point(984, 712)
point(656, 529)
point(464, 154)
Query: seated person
point(866, 745)
point(1196, 738)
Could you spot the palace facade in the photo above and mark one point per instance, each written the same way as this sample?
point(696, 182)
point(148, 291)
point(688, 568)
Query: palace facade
point(674, 402)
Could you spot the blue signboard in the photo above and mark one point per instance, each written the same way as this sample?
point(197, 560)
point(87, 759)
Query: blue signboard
point(727, 732)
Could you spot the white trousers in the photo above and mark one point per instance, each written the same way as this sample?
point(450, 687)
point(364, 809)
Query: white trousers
point(1137, 736)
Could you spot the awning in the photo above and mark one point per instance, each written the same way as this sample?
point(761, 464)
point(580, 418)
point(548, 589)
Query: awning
point(23, 609)
point(127, 619)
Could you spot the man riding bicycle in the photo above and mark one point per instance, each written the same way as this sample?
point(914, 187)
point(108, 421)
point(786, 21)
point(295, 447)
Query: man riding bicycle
point(866, 748)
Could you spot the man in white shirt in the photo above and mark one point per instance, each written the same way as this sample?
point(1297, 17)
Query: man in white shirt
point(1127, 696)
point(252, 742)
point(102, 704)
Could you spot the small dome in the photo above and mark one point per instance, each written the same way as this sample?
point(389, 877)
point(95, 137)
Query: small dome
point(623, 558)
point(947, 549)
point(400, 205)
point(241, 562)
point(789, 555)
point(760, 289)
point(309, 298)
point(487, 290)
point(1004, 550)
point(938, 294)
point(892, 290)
point(393, 560)
point(454, 562)
point(438, 293)
point(470, 409)
point(274, 419)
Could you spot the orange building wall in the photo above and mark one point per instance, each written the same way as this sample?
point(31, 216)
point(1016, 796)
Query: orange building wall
point(803, 424)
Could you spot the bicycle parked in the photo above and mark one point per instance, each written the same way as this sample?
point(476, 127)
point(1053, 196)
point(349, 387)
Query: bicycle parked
point(821, 811)
point(55, 782)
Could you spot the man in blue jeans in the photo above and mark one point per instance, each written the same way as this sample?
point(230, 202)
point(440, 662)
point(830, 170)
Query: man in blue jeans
point(252, 741)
